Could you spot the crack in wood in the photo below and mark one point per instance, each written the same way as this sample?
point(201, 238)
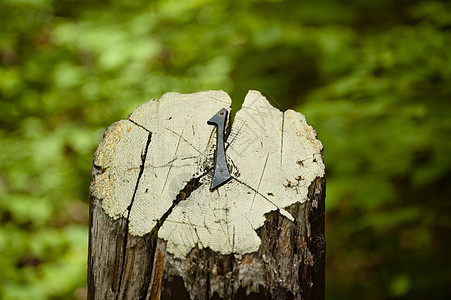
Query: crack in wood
point(190, 187)
point(98, 170)
point(172, 162)
point(137, 124)
point(260, 181)
point(185, 140)
point(143, 160)
point(257, 192)
point(197, 234)
point(236, 134)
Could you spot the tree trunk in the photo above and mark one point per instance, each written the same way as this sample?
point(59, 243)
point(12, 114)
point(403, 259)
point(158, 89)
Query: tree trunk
point(158, 232)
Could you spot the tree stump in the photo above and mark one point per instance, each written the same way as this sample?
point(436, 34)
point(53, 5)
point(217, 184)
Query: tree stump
point(158, 232)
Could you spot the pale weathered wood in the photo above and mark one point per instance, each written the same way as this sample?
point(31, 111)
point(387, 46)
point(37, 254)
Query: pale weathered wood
point(157, 231)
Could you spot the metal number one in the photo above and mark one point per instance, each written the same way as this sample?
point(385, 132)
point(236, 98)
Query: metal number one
point(221, 174)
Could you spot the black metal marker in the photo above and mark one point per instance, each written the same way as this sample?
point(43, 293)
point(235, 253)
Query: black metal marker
point(221, 174)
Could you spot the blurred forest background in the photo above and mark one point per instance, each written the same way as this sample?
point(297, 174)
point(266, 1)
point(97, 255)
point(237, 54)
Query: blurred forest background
point(372, 77)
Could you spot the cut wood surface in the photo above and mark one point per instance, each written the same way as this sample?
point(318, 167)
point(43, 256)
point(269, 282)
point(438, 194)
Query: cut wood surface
point(158, 232)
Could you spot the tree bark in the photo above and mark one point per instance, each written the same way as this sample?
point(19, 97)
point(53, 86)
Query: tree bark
point(167, 236)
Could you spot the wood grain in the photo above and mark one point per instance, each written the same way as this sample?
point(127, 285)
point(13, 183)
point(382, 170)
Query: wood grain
point(156, 230)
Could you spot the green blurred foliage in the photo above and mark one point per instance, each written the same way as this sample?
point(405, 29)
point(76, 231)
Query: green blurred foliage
point(373, 77)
